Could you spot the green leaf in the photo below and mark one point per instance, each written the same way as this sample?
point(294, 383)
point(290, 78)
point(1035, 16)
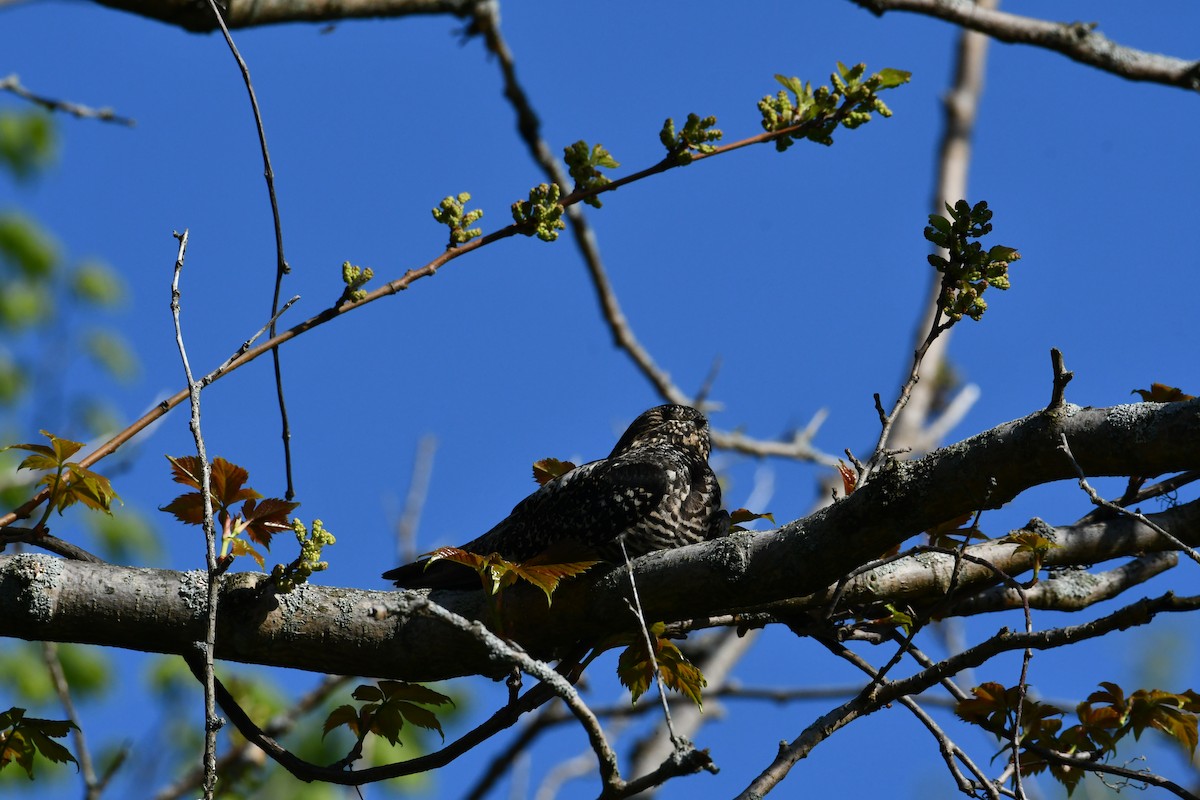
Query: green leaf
point(26, 246)
point(414, 693)
point(27, 142)
point(367, 691)
point(23, 736)
point(636, 671)
point(794, 85)
point(96, 283)
point(891, 78)
point(421, 717)
point(547, 576)
point(342, 715)
point(240, 547)
point(48, 747)
point(111, 352)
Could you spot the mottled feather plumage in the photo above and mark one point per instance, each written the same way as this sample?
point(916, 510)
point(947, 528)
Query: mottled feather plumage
point(654, 491)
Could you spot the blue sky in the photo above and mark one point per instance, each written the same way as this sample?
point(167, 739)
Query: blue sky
point(801, 271)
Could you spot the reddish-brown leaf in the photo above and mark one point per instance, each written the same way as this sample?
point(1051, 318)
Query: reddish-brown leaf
point(1161, 393)
point(849, 477)
point(267, 518)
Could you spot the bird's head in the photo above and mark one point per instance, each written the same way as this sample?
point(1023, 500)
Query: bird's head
point(673, 425)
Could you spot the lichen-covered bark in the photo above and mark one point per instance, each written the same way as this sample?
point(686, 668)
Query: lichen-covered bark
point(383, 634)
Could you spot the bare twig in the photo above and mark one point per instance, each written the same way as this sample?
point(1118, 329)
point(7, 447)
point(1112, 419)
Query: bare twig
point(281, 265)
point(1096, 499)
point(1078, 41)
point(400, 284)
point(39, 538)
point(12, 83)
point(1163, 487)
point(951, 752)
point(91, 786)
point(212, 723)
point(1138, 613)
point(245, 752)
point(636, 607)
point(543, 672)
point(529, 126)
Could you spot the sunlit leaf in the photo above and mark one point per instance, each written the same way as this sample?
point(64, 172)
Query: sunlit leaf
point(849, 478)
point(636, 670)
point(547, 576)
point(744, 515)
point(227, 482)
point(1162, 393)
point(266, 518)
point(241, 547)
point(548, 469)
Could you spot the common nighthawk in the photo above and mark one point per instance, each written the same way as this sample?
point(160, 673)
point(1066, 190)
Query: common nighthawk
point(655, 491)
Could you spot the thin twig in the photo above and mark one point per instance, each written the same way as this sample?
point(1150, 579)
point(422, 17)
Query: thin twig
point(529, 127)
point(12, 83)
point(1097, 500)
point(212, 723)
point(636, 608)
point(1163, 487)
point(411, 276)
point(281, 265)
point(38, 537)
point(1139, 613)
point(607, 759)
point(246, 751)
point(224, 365)
point(949, 750)
point(58, 680)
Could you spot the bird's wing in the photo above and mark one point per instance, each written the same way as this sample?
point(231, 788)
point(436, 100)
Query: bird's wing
point(562, 521)
point(588, 506)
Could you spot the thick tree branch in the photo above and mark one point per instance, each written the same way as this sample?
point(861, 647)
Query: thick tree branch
point(1078, 41)
point(197, 17)
point(381, 634)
